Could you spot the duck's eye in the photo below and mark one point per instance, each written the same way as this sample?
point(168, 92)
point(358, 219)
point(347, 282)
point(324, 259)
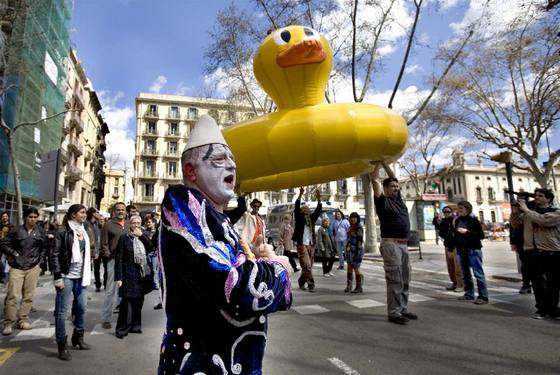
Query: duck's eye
point(282, 37)
point(311, 34)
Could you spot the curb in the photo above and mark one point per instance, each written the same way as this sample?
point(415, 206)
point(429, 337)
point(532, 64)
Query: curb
point(512, 279)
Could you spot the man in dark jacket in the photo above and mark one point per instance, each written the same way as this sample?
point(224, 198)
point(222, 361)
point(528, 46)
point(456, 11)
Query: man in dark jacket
point(304, 237)
point(446, 230)
point(24, 246)
point(110, 235)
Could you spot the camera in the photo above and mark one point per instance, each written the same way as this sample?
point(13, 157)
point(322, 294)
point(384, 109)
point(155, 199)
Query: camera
point(524, 195)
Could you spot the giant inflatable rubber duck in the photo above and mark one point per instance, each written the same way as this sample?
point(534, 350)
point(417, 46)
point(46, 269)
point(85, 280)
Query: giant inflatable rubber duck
point(308, 141)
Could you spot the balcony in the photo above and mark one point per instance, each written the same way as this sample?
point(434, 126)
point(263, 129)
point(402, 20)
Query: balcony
point(88, 156)
point(66, 128)
point(150, 174)
point(75, 121)
point(173, 115)
point(75, 146)
point(149, 152)
point(150, 133)
point(77, 100)
point(151, 113)
point(102, 145)
point(173, 176)
point(73, 173)
point(148, 198)
point(170, 134)
point(172, 154)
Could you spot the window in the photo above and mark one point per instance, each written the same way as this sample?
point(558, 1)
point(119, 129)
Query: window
point(192, 114)
point(151, 146)
point(173, 128)
point(152, 110)
point(506, 195)
point(172, 169)
point(341, 187)
point(454, 187)
point(491, 196)
point(493, 216)
point(116, 190)
point(479, 194)
point(152, 127)
point(149, 190)
point(150, 168)
point(481, 216)
point(477, 178)
point(488, 179)
point(232, 116)
point(172, 148)
point(449, 193)
point(174, 112)
point(359, 186)
point(459, 185)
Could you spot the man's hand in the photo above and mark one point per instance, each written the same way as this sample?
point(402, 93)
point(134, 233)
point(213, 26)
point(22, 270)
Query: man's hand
point(462, 230)
point(59, 284)
point(119, 284)
point(137, 232)
point(523, 205)
point(375, 174)
point(301, 191)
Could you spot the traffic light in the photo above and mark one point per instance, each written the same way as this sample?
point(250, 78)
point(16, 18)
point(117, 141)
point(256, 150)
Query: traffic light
point(502, 157)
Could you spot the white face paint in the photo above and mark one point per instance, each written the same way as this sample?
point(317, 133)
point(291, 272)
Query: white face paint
point(215, 173)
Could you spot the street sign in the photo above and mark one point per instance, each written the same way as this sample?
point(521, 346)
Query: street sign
point(434, 197)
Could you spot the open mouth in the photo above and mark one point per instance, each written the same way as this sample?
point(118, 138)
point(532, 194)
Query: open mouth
point(229, 179)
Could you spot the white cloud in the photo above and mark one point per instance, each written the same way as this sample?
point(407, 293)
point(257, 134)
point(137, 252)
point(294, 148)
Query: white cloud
point(411, 69)
point(182, 89)
point(120, 140)
point(158, 84)
point(447, 4)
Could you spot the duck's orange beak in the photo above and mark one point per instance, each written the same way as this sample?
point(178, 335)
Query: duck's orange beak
point(306, 52)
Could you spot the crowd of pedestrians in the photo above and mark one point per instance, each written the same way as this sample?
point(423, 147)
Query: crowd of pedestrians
point(72, 252)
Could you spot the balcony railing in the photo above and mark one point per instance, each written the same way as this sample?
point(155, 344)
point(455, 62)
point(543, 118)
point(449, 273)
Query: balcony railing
point(171, 134)
point(150, 113)
point(172, 154)
point(173, 115)
point(73, 173)
point(148, 198)
point(150, 133)
point(149, 174)
point(173, 176)
point(149, 152)
point(75, 146)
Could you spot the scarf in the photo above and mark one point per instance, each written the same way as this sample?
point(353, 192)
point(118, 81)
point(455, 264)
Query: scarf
point(79, 229)
point(140, 255)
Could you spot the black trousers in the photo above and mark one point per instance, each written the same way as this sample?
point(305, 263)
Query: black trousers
point(327, 264)
point(544, 269)
point(525, 275)
point(291, 259)
point(97, 269)
point(130, 315)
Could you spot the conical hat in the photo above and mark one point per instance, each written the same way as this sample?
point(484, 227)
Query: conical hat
point(205, 132)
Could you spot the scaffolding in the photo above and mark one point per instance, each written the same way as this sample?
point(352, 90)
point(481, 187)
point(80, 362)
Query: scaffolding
point(33, 86)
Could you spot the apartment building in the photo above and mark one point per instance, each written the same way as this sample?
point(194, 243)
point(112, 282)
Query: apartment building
point(83, 144)
point(115, 188)
point(482, 185)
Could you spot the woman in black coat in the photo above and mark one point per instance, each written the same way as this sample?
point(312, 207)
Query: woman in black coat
point(132, 276)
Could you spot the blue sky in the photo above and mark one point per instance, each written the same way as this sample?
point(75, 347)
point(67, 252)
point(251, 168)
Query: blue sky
point(132, 46)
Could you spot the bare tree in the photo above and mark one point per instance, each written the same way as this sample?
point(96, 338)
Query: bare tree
point(506, 91)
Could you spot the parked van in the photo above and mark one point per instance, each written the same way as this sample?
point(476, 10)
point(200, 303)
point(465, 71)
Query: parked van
point(277, 212)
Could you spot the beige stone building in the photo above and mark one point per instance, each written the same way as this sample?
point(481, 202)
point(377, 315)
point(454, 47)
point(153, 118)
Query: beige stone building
point(115, 186)
point(482, 185)
point(83, 143)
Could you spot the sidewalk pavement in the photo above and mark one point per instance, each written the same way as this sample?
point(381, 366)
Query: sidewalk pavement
point(499, 261)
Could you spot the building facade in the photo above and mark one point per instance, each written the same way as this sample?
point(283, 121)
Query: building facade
point(482, 185)
point(83, 140)
point(114, 188)
point(32, 88)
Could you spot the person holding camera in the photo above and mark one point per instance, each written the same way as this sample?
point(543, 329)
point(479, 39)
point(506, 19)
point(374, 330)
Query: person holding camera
point(541, 233)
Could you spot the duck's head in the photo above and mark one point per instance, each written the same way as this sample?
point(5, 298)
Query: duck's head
point(293, 65)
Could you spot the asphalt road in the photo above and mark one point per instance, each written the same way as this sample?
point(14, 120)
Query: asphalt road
point(331, 332)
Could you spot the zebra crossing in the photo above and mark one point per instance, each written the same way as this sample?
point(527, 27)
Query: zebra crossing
point(429, 290)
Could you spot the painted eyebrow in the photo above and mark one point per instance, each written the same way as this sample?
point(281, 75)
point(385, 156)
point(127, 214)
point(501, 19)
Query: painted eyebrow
point(209, 152)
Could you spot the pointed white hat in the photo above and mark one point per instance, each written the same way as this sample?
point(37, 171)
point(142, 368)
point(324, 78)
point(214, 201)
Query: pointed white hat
point(205, 132)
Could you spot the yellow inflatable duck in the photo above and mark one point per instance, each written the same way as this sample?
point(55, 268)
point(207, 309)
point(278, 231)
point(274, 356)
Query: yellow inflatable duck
point(307, 141)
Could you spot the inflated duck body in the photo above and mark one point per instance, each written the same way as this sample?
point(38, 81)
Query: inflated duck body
point(308, 141)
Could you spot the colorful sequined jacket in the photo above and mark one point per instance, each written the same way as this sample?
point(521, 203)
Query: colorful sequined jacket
point(216, 296)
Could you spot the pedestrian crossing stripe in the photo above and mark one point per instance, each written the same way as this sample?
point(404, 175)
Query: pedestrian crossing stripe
point(310, 309)
point(34, 334)
point(365, 303)
point(6, 353)
point(418, 298)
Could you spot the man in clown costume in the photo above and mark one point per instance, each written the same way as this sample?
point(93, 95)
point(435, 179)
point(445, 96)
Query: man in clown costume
point(217, 289)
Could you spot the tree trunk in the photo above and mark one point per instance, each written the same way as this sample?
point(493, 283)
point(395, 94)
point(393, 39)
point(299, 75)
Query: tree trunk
point(370, 244)
point(15, 171)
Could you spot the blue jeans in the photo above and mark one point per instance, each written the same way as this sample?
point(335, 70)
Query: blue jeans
point(340, 245)
point(63, 298)
point(472, 259)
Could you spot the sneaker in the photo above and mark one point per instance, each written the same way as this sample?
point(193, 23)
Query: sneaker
point(24, 325)
point(398, 320)
point(481, 301)
point(537, 315)
point(465, 298)
point(106, 325)
point(326, 275)
point(97, 290)
point(525, 290)
point(311, 290)
point(302, 287)
point(409, 315)
point(159, 306)
point(7, 331)
point(332, 274)
point(451, 287)
point(459, 290)
point(296, 270)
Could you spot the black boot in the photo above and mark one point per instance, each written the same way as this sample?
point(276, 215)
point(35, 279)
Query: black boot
point(78, 340)
point(63, 352)
point(349, 279)
point(359, 282)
